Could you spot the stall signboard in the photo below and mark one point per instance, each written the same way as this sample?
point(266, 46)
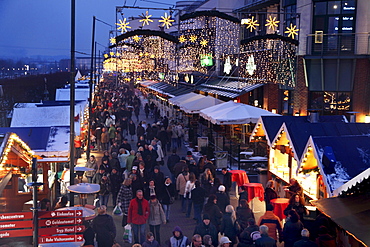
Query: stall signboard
point(61, 230)
point(61, 239)
point(60, 214)
point(16, 224)
point(16, 233)
point(59, 222)
point(16, 216)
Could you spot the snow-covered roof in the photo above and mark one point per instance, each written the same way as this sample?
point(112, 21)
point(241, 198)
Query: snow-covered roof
point(64, 94)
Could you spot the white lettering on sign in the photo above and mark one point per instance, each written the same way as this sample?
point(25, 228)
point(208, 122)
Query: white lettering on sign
point(12, 217)
point(7, 225)
point(5, 234)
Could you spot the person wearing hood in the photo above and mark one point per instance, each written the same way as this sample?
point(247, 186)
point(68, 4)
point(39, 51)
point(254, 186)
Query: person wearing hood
point(213, 211)
point(138, 214)
point(104, 228)
point(156, 217)
point(207, 228)
point(178, 239)
point(150, 241)
point(222, 198)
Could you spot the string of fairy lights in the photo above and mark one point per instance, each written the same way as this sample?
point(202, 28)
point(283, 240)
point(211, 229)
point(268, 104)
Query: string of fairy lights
point(207, 41)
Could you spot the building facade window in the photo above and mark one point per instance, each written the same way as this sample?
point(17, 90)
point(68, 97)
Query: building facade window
point(334, 27)
point(330, 102)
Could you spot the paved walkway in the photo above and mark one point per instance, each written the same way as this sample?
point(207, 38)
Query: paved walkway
point(177, 218)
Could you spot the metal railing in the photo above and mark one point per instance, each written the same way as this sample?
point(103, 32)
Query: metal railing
point(338, 44)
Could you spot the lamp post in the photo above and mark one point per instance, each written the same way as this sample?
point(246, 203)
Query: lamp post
point(72, 101)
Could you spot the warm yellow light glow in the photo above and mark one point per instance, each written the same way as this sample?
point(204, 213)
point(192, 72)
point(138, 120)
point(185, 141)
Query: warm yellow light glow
point(272, 23)
point(167, 21)
point(292, 30)
point(367, 119)
point(252, 24)
point(145, 18)
point(182, 39)
point(112, 40)
point(204, 42)
point(193, 38)
point(123, 25)
point(136, 38)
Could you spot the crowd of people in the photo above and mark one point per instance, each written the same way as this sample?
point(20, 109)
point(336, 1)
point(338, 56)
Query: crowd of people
point(131, 176)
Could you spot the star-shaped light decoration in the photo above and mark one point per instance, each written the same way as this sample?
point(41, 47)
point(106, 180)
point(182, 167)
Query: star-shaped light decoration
point(193, 38)
point(123, 25)
point(118, 54)
point(112, 40)
point(252, 24)
point(204, 42)
point(251, 66)
point(106, 55)
point(145, 18)
point(272, 23)
point(136, 38)
point(111, 53)
point(227, 66)
point(182, 39)
point(292, 30)
point(167, 21)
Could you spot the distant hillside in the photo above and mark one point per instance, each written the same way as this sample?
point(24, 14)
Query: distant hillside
point(31, 88)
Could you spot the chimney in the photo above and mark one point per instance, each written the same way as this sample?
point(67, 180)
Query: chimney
point(314, 116)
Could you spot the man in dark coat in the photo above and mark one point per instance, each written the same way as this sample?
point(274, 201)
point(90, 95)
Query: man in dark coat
point(305, 241)
point(207, 228)
point(172, 160)
point(104, 228)
point(265, 240)
point(222, 198)
point(226, 179)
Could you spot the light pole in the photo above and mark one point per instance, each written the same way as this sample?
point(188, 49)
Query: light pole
point(72, 101)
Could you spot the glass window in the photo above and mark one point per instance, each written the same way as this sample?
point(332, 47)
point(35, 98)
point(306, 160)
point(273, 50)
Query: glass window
point(320, 8)
point(334, 7)
point(349, 7)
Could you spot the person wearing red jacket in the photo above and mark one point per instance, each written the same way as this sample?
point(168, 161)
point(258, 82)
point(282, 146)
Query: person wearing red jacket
point(138, 214)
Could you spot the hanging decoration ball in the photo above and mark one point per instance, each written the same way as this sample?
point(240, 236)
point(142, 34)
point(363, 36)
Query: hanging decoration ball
point(167, 21)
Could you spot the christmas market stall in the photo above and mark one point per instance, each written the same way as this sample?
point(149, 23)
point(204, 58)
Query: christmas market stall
point(15, 172)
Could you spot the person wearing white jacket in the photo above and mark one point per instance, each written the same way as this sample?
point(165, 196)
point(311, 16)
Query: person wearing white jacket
point(190, 185)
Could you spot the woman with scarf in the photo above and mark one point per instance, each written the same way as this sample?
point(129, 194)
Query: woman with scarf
point(151, 190)
point(138, 214)
point(156, 217)
point(168, 196)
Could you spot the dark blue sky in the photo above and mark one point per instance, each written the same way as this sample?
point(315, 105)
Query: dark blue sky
point(42, 27)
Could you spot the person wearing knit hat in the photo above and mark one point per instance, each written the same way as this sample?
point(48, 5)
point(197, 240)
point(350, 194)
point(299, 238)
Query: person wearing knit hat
point(221, 188)
point(207, 228)
point(178, 239)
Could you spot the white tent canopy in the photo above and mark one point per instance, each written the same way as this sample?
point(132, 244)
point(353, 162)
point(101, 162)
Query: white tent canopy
point(195, 106)
point(234, 113)
point(182, 99)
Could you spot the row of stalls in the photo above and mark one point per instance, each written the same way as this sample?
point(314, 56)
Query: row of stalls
point(39, 130)
point(329, 157)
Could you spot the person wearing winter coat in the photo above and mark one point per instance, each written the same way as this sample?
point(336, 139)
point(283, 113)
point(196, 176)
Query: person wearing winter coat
point(245, 239)
point(132, 129)
point(178, 239)
point(305, 241)
point(91, 163)
point(292, 229)
point(168, 195)
point(222, 198)
point(151, 190)
point(115, 181)
point(229, 226)
point(122, 158)
point(243, 214)
point(265, 240)
point(198, 196)
point(105, 189)
point(270, 193)
point(138, 214)
point(104, 228)
point(296, 203)
point(156, 217)
point(272, 222)
point(180, 187)
point(150, 241)
point(213, 211)
point(190, 185)
point(207, 228)
point(124, 197)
